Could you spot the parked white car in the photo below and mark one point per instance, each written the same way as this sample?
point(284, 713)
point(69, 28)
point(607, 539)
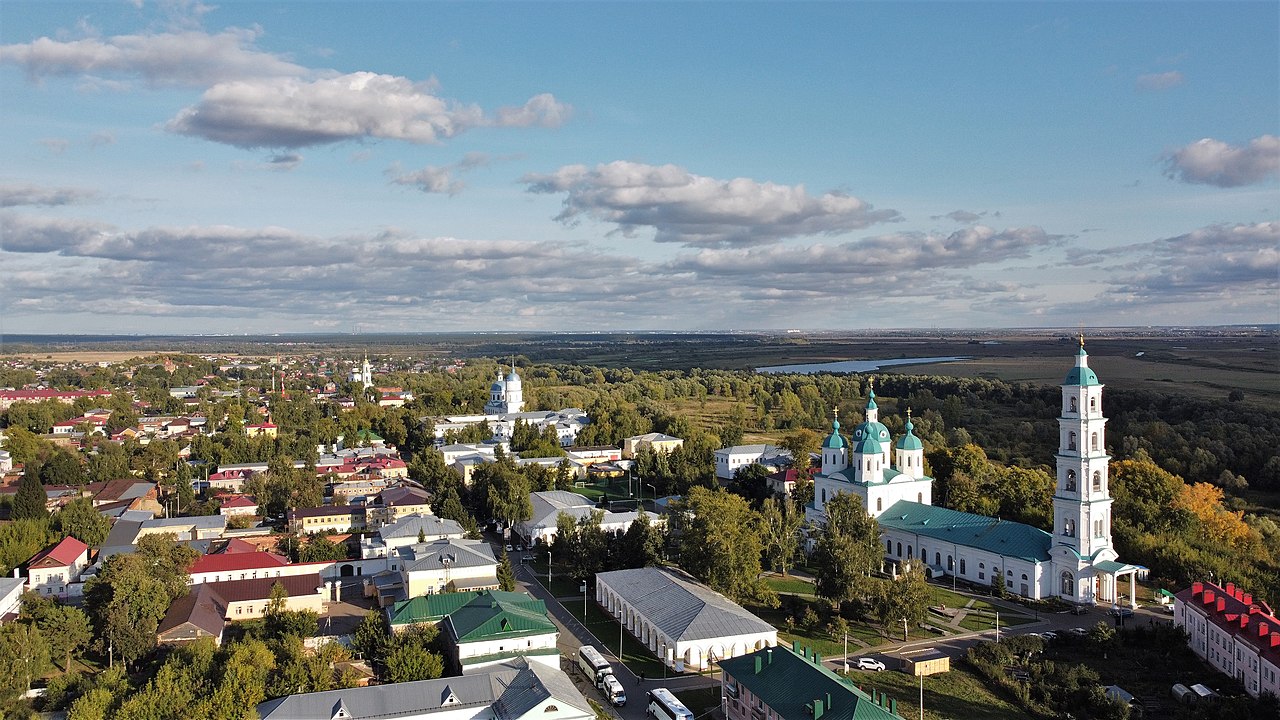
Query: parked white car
point(867, 663)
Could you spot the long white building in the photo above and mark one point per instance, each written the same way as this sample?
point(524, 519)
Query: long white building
point(686, 624)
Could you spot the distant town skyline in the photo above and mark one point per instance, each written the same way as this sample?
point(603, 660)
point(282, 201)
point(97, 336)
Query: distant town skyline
point(302, 167)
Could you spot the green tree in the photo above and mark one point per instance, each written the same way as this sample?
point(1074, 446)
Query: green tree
point(641, 545)
point(720, 544)
point(29, 502)
point(410, 661)
point(62, 468)
point(800, 445)
point(81, 520)
point(506, 574)
point(847, 550)
point(905, 598)
point(370, 638)
point(752, 482)
point(1146, 496)
point(24, 657)
point(242, 683)
point(780, 534)
point(68, 631)
point(320, 548)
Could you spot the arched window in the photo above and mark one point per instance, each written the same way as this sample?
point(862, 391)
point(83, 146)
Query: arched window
point(1071, 480)
point(1073, 405)
point(1069, 527)
point(1097, 481)
point(1093, 442)
point(1068, 584)
point(951, 564)
point(888, 547)
point(824, 495)
point(920, 497)
point(961, 566)
point(1024, 577)
point(899, 549)
point(909, 555)
point(1093, 403)
point(1071, 441)
point(879, 504)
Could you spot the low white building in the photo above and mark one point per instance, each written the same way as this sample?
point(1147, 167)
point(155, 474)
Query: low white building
point(497, 627)
point(567, 423)
point(1232, 631)
point(731, 459)
point(11, 589)
point(686, 624)
point(547, 506)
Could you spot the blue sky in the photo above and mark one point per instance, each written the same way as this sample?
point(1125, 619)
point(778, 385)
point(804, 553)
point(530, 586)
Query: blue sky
point(264, 167)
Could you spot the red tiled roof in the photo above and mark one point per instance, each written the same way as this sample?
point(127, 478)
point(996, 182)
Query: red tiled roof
point(49, 394)
point(64, 553)
point(233, 561)
point(240, 501)
point(1238, 614)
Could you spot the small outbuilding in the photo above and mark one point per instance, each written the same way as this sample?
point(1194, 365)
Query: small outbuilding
point(926, 662)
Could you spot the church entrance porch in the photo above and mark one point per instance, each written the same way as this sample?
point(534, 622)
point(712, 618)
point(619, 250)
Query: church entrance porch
point(1108, 578)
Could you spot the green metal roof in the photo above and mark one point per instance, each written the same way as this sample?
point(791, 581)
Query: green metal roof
point(430, 608)
point(494, 615)
point(868, 445)
point(790, 684)
point(1003, 537)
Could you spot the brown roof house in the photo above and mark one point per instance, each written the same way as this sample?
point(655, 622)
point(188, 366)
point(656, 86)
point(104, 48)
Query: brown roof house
point(200, 613)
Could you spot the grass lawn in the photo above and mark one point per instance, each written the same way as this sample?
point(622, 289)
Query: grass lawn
point(955, 694)
point(790, 585)
point(984, 621)
point(561, 584)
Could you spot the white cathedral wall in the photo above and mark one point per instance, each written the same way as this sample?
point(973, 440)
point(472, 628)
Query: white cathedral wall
point(978, 565)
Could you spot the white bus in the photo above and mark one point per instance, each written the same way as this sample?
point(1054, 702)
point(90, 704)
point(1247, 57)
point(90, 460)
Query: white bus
point(664, 706)
point(613, 690)
point(593, 665)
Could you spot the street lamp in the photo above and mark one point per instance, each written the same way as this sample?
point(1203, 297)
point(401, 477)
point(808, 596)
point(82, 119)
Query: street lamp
point(584, 600)
point(644, 485)
point(620, 612)
point(548, 566)
point(997, 627)
point(846, 651)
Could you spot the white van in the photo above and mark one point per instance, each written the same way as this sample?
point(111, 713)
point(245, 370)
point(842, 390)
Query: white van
point(613, 691)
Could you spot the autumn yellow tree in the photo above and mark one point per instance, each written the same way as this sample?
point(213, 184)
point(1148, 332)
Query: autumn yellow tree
point(1219, 524)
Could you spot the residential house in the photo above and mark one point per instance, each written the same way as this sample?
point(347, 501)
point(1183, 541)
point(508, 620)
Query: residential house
point(327, 519)
point(55, 571)
point(395, 503)
point(654, 441)
point(436, 567)
point(248, 599)
point(11, 589)
point(245, 505)
point(410, 530)
point(201, 613)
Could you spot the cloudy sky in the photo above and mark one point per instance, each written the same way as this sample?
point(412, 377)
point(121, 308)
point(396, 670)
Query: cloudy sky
point(404, 166)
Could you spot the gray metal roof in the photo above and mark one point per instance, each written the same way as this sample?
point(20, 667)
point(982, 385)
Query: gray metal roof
point(510, 689)
point(680, 607)
point(427, 525)
point(448, 553)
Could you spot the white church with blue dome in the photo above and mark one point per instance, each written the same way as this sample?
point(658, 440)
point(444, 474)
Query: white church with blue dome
point(1075, 563)
point(506, 395)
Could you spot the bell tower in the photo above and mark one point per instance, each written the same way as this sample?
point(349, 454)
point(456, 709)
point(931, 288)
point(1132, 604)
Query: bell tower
point(1082, 498)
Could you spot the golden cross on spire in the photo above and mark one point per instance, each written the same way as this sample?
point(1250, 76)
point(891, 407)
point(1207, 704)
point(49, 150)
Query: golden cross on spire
point(908, 413)
point(836, 411)
point(871, 382)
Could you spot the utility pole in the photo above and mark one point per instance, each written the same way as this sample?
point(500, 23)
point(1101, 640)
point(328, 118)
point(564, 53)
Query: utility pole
point(921, 696)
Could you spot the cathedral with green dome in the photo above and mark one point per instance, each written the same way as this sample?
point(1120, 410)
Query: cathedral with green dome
point(1076, 562)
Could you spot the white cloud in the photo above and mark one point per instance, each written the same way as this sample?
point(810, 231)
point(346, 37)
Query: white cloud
point(1152, 82)
point(191, 57)
point(1213, 162)
point(294, 113)
point(701, 211)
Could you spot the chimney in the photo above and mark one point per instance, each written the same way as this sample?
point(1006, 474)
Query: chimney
point(893, 707)
point(1222, 604)
point(758, 664)
point(817, 659)
point(795, 646)
point(828, 699)
point(1244, 621)
point(1246, 598)
point(1208, 597)
point(1230, 588)
point(1263, 628)
point(769, 654)
point(1275, 640)
point(1197, 587)
point(818, 709)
